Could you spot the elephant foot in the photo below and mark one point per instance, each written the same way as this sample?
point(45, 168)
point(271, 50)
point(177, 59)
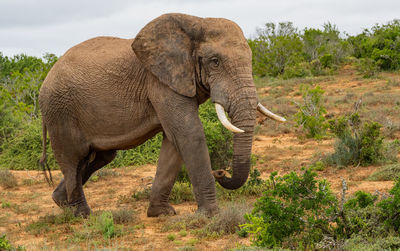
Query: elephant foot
point(80, 208)
point(60, 198)
point(209, 211)
point(157, 210)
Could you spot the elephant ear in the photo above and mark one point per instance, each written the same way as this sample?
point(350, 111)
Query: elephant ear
point(165, 47)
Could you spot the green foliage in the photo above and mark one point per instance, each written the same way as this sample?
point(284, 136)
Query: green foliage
point(367, 67)
point(380, 44)
point(147, 153)
point(24, 150)
point(20, 80)
point(296, 209)
point(276, 48)
point(300, 212)
point(181, 191)
point(311, 114)
point(171, 237)
point(104, 225)
point(391, 207)
point(361, 200)
point(281, 50)
point(358, 143)
point(5, 245)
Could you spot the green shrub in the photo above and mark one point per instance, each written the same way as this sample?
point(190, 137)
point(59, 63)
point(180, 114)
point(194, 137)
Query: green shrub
point(367, 67)
point(380, 44)
point(5, 245)
point(103, 224)
point(311, 113)
point(358, 143)
point(297, 209)
point(391, 207)
point(25, 149)
point(171, 237)
point(147, 153)
point(326, 60)
point(276, 48)
point(181, 192)
point(361, 200)
point(142, 193)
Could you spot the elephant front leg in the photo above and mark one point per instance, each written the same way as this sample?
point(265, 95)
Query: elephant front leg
point(182, 126)
point(169, 164)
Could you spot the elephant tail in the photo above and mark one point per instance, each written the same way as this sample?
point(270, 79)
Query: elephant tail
point(43, 159)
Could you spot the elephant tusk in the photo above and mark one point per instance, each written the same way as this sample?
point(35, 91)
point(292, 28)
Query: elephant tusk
point(224, 120)
point(270, 114)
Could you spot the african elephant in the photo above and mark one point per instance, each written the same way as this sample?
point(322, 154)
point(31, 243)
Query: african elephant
point(108, 94)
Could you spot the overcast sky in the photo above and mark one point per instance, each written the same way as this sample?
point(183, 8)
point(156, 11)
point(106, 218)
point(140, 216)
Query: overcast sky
point(35, 27)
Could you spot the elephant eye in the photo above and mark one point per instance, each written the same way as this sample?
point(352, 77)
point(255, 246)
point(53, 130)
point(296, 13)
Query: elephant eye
point(215, 61)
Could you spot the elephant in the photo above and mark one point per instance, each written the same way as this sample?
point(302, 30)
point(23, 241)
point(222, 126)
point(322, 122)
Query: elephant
point(108, 94)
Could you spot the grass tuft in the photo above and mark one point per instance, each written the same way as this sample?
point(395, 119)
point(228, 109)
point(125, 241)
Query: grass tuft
point(389, 172)
point(7, 179)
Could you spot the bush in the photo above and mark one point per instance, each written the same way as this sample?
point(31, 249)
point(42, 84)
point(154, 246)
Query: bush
point(25, 149)
point(391, 208)
point(7, 179)
point(367, 67)
point(102, 224)
point(228, 220)
point(380, 44)
point(389, 172)
point(123, 215)
point(276, 48)
point(181, 192)
point(311, 114)
point(296, 210)
point(5, 245)
point(358, 143)
point(147, 153)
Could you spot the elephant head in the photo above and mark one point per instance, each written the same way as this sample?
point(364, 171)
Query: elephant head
point(207, 57)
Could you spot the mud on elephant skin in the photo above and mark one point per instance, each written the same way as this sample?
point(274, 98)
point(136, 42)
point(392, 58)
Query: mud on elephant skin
point(108, 94)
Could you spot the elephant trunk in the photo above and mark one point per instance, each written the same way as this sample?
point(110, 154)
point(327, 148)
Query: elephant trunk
point(243, 115)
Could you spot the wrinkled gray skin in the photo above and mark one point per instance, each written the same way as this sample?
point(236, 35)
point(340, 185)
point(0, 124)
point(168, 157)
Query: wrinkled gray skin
point(108, 94)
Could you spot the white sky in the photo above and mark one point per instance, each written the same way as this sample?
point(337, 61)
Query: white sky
point(35, 27)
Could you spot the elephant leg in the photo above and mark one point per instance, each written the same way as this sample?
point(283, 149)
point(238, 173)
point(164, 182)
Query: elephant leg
point(102, 158)
point(169, 164)
point(180, 121)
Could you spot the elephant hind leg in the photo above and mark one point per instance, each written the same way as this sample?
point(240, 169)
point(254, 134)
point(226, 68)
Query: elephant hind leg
point(71, 153)
point(102, 158)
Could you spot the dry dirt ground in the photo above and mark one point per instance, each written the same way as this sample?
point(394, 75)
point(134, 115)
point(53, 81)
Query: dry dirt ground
point(277, 149)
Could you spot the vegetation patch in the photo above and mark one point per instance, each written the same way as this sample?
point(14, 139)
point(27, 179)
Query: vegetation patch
point(181, 192)
point(7, 179)
point(358, 143)
point(388, 172)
